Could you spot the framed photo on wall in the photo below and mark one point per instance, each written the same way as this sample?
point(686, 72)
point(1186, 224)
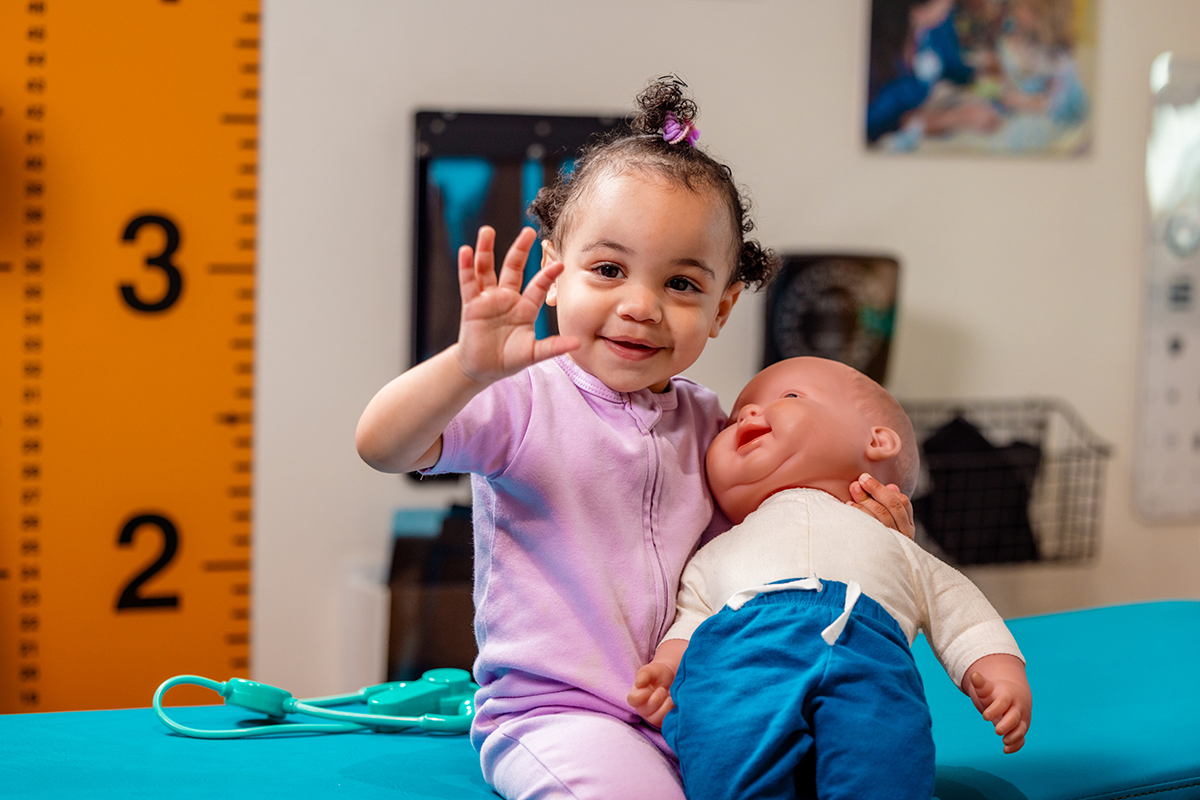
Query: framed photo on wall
point(477, 169)
point(981, 76)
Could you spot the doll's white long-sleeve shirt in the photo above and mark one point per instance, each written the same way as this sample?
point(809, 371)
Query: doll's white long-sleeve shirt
point(800, 533)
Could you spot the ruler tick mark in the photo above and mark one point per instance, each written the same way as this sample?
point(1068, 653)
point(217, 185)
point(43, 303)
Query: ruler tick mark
point(231, 269)
point(227, 565)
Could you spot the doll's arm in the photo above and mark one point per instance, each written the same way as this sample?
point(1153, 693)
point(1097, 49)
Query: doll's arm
point(997, 686)
point(401, 428)
point(886, 503)
point(650, 696)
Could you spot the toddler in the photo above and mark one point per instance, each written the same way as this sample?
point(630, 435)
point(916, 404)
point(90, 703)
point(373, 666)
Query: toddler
point(586, 450)
point(799, 675)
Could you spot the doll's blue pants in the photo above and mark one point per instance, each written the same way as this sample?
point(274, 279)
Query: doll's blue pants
point(764, 708)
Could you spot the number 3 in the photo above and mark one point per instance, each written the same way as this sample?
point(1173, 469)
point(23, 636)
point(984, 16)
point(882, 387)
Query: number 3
point(162, 261)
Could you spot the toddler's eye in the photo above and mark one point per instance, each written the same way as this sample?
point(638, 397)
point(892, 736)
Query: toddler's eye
point(682, 285)
point(608, 271)
point(792, 394)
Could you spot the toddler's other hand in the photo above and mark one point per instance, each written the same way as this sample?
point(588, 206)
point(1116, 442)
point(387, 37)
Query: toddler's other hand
point(496, 335)
point(650, 696)
point(885, 503)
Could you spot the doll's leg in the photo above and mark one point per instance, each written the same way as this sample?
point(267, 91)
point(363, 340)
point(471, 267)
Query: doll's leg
point(583, 755)
point(740, 724)
point(871, 724)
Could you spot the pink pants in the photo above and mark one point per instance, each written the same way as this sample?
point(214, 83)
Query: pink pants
point(582, 755)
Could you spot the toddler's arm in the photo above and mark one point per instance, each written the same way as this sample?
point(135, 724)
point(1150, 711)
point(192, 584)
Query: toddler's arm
point(650, 696)
point(997, 686)
point(401, 428)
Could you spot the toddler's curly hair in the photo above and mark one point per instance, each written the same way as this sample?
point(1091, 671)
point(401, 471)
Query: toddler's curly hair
point(641, 147)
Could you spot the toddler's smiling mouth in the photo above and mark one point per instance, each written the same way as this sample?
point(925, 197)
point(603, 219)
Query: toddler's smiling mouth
point(631, 347)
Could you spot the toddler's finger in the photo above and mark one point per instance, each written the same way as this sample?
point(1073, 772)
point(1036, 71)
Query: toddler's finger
point(553, 346)
point(539, 285)
point(864, 502)
point(468, 287)
point(889, 497)
point(512, 270)
point(485, 257)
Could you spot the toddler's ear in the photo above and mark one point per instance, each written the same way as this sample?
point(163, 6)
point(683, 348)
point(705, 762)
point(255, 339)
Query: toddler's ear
point(728, 298)
point(885, 443)
point(549, 256)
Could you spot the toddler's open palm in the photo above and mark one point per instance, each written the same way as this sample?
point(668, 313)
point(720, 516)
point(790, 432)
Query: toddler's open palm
point(496, 335)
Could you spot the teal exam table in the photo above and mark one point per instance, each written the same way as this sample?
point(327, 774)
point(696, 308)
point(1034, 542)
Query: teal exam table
point(1116, 715)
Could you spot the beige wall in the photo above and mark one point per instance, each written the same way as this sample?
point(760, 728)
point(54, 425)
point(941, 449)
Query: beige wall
point(1020, 277)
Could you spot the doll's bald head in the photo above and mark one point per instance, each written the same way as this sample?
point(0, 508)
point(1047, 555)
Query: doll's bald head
point(809, 422)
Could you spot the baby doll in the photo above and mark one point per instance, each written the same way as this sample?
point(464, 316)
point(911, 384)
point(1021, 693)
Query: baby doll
point(800, 618)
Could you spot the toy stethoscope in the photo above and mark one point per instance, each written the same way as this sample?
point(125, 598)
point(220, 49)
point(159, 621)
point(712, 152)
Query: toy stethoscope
point(442, 701)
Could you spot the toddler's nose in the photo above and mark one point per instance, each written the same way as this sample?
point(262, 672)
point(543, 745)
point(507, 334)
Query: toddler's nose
point(640, 303)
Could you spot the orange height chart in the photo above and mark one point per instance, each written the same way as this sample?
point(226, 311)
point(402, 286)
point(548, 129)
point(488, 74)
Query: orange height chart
point(128, 159)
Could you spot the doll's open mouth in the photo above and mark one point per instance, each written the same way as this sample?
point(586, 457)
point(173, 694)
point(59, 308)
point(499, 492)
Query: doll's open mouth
point(749, 433)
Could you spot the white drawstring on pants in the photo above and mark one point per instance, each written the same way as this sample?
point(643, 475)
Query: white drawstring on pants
point(831, 633)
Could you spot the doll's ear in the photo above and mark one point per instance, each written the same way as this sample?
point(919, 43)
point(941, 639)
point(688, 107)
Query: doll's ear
point(549, 256)
point(885, 443)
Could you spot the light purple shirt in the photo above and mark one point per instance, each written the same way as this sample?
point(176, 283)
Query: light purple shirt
point(587, 504)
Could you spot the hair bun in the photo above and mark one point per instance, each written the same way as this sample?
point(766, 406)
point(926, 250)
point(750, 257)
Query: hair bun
point(663, 96)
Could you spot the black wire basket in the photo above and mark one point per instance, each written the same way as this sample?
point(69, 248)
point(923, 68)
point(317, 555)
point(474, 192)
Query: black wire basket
point(1006, 481)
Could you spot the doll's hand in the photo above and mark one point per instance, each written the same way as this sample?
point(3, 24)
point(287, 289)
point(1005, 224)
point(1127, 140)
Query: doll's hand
point(496, 332)
point(1006, 704)
point(885, 503)
point(650, 696)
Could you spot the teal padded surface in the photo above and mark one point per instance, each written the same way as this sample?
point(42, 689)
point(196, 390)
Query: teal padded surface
point(130, 754)
point(1116, 710)
point(1116, 715)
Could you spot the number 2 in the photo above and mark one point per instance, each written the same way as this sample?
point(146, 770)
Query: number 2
point(131, 597)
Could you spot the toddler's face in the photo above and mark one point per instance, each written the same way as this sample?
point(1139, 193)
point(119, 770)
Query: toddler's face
point(648, 265)
point(793, 425)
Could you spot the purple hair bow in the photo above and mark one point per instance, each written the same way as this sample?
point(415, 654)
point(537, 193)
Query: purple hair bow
point(675, 131)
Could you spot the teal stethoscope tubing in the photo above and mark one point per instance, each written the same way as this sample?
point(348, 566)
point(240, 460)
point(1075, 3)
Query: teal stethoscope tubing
point(312, 707)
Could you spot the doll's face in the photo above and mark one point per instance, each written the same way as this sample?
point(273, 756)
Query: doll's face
point(795, 424)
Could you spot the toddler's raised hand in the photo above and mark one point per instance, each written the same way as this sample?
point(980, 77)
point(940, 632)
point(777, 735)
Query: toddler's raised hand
point(496, 333)
point(650, 696)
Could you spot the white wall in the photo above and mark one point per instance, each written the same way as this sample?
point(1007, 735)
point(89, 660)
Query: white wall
point(1020, 277)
